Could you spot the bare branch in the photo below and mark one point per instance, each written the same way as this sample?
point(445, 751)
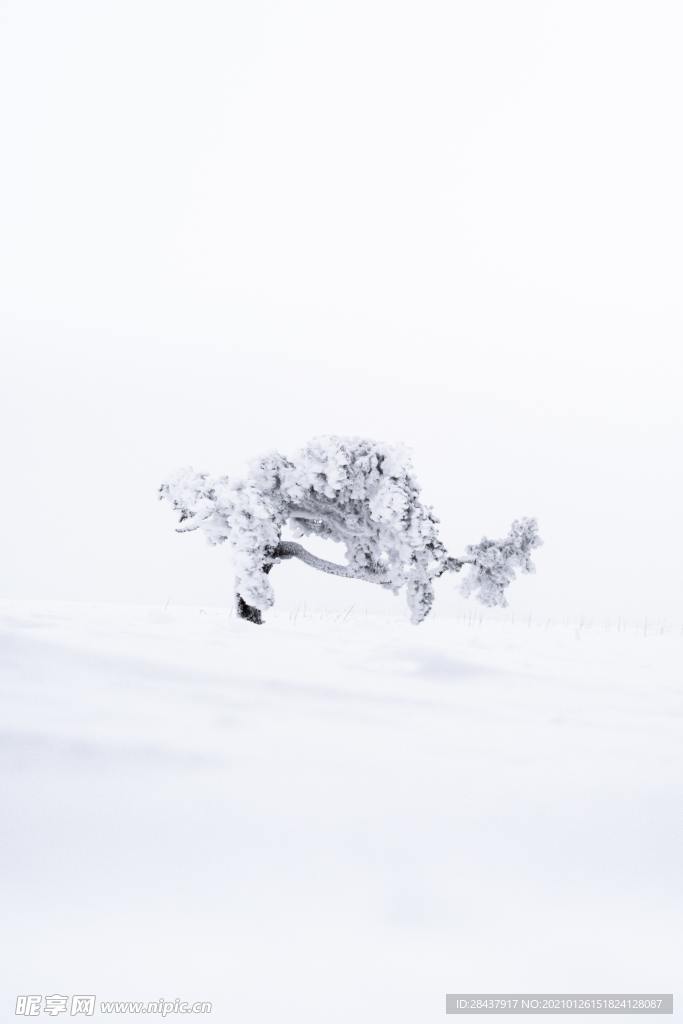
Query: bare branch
point(290, 549)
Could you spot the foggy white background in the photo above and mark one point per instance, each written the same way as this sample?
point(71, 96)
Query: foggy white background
point(227, 227)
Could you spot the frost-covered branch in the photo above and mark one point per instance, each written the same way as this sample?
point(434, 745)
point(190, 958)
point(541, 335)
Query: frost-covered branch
point(290, 549)
point(357, 492)
point(495, 562)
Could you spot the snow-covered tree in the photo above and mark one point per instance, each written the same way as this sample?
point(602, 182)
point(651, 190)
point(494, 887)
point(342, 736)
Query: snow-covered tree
point(348, 489)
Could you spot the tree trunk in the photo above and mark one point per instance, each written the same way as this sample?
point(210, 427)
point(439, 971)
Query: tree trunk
point(290, 549)
point(247, 611)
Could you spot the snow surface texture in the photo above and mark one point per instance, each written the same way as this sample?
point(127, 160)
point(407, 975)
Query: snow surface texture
point(341, 821)
point(352, 490)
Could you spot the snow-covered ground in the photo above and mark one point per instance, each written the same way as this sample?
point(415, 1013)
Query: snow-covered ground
point(337, 817)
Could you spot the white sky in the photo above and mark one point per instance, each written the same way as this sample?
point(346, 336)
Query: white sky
point(228, 227)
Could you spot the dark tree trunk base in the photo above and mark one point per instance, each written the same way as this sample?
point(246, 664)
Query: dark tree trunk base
point(248, 612)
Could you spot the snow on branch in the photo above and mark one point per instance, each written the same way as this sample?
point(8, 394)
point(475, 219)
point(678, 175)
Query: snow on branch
point(494, 563)
point(352, 490)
